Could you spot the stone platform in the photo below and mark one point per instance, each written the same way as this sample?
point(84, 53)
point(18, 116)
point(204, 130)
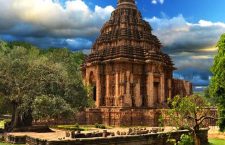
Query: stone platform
point(160, 138)
point(53, 139)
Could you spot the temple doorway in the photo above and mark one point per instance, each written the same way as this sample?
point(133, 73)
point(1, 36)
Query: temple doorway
point(156, 92)
point(94, 93)
point(92, 83)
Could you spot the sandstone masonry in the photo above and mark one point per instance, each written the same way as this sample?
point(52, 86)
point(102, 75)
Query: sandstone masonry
point(128, 71)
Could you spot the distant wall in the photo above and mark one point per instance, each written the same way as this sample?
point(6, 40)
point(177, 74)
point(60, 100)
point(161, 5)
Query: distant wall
point(181, 87)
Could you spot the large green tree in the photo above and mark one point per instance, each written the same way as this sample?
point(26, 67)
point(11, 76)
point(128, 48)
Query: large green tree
point(217, 84)
point(27, 72)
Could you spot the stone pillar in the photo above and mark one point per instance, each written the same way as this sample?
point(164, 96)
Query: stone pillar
point(138, 98)
point(117, 95)
point(98, 87)
point(87, 78)
point(162, 87)
point(150, 90)
point(169, 88)
point(107, 90)
point(127, 99)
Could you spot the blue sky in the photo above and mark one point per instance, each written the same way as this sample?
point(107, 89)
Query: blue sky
point(193, 10)
point(188, 29)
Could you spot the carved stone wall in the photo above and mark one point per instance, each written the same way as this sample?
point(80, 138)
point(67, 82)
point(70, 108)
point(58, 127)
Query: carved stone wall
point(182, 88)
point(115, 116)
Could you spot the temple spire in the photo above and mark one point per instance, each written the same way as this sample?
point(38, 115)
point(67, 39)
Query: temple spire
point(126, 4)
point(126, 1)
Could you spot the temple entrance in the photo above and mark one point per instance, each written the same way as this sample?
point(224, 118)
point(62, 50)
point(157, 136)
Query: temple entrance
point(94, 93)
point(156, 92)
point(92, 82)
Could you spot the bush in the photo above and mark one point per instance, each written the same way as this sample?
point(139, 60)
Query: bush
point(101, 126)
point(186, 140)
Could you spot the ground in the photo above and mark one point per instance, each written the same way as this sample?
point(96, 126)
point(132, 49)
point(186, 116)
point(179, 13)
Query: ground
point(212, 142)
point(215, 137)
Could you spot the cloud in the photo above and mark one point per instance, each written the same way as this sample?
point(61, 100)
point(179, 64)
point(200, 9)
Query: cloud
point(192, 46)
point(157, 1)
point(29, 19)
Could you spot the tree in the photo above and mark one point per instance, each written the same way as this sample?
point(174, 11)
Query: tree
point(217, 84)
point(45, 107)
point(4, 106)
point(27, 72)
point(189, 112)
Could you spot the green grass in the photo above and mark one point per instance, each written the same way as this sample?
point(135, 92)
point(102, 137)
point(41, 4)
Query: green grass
point(216, 142)
point(1, 143)
point(69, 127)
point(75, 127)
point(2, 125)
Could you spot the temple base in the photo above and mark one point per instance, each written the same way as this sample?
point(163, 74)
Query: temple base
point(123, 116)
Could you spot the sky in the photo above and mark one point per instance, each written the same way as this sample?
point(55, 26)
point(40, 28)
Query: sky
point(188, 29)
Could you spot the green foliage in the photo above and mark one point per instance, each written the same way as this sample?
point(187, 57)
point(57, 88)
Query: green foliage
point(101, 126)
point(45, 107)
point(221, 121)
point(33, 77)
point(161, 121)
point(217, 85)
point(186, 140)
point(4, 106)
point(188, 112)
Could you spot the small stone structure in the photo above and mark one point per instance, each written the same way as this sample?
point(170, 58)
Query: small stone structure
point(129, 73)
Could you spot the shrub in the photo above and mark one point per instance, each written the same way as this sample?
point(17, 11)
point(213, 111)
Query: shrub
point(186, 140)
point(77, 125)
point(101, 126)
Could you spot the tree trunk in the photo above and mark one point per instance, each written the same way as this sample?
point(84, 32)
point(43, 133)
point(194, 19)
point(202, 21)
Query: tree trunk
point(11, 125)
point(17, 120)
point(196, 139)
point(27, 118)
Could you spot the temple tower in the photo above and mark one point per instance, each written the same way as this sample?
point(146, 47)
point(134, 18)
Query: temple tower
point(126, 66)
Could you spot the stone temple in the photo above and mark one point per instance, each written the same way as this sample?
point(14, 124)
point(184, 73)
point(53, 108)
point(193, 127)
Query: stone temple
point(131, 77)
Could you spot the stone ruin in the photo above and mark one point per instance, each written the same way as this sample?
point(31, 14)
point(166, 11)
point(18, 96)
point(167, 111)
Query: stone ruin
point(106, 133)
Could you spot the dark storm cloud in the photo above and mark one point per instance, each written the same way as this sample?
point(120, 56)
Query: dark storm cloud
point(192, 46)
point(52, 24)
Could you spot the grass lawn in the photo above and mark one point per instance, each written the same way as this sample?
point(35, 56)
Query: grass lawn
point(78, 127)
point(1, 143)
point(2, 124)
point(216, 142)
